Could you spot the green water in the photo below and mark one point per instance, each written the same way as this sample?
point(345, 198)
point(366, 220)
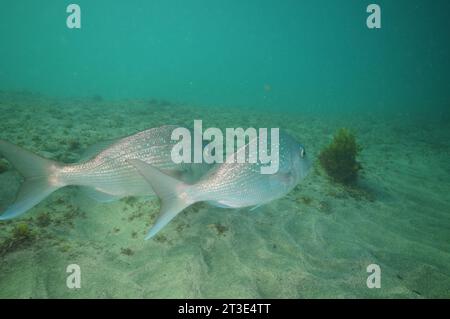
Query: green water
point(308, 67)
point(313, 55)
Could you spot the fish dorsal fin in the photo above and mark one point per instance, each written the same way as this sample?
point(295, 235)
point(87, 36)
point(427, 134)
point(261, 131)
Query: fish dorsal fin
point(94, 149)
point(256, 207)
point(164, 134)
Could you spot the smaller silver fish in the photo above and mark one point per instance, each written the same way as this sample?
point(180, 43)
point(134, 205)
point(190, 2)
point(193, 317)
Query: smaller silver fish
point(230, 185)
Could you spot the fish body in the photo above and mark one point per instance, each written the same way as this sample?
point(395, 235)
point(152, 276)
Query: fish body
point(107, 175)
point(109, 171)
point(232, 185)
point(238, 185)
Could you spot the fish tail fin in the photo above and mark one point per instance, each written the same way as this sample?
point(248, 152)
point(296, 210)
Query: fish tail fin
point(37, 172)
point(170, 191)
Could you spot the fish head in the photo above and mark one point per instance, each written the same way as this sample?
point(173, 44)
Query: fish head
point(294, 159)
point(302, 162)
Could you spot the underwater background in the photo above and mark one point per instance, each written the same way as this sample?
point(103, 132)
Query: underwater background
point(309, 67)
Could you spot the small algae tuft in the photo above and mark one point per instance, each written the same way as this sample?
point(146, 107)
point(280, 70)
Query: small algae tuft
point(338, 159)
point(324, 207)
point(4, 166)
point(161, 238)
point(135, 215)
point(22, 232)
point(219, 228)
point(43, 220)
point(130, 200)
point(305, 200)
point(127, 251)
point(73, 145)
point(65, 248)
point(21, 235)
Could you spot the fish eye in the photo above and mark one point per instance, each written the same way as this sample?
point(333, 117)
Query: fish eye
point(302, 152)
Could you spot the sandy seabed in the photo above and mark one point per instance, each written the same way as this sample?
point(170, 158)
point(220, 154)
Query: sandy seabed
point(316, 242)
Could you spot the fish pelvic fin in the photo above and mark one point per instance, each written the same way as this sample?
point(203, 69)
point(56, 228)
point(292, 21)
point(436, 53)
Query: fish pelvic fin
point(171, 192)
point(37, 172)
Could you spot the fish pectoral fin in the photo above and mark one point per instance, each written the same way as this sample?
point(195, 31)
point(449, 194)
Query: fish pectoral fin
point(217, 204)
point(256, 207)
point(170, 191)
point(100, 196)
point(281, 179)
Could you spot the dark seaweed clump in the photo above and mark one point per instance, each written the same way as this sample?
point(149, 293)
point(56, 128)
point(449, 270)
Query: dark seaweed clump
point(339, 158)
point(127, 251)
point(22, 235)
point(3, 166)
point(43, 220)
point(73, 145)
point(33, 231)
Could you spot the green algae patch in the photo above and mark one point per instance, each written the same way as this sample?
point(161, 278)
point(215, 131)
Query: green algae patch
point(339, 158)
point(21, 236)
point(3, 166)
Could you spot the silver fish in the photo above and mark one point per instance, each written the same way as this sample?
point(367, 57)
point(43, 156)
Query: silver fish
point(230, 185)
point(107, 175)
